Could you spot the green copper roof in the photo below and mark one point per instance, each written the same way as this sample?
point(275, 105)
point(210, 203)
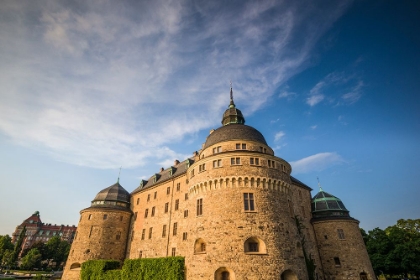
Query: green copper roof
point(232, 115)
point(326, 205)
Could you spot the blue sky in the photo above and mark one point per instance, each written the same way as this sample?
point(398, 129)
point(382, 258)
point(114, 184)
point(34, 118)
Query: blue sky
point(88, 87)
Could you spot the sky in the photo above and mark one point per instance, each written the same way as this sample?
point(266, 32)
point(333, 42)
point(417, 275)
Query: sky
point(87, 87)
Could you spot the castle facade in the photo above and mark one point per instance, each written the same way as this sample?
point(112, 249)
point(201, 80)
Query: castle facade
point(234, 212)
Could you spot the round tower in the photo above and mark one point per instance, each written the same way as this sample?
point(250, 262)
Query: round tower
point(341, 247)
point(243, 226)
point(102, 231)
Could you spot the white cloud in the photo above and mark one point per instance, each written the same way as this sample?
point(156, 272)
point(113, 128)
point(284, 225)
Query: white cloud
point(287, 94)
point(314, 99)
point(313, 127)
point(110, 85)
point(279, 135)
point(316, 162)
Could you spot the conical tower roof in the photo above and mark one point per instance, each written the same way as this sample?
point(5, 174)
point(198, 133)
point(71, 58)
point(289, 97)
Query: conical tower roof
point(232, 115)
point(114, 196)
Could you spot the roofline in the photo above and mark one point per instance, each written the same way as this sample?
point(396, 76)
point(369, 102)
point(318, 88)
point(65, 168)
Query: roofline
point(299, 183)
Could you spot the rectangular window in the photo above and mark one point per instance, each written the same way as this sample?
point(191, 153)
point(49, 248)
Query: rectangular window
point(184, 236)
point(178, 187)
point(140, 254)
point(90, 216)
point(176, 204)
point(217, 163)
point(199, 207)
point(235, 161)
point(150, 232)
point(192, 173)
point(254, 161)
point(146, 212)
point(143, 234)
point(155, 195)
point(168, 190)
point(337, 261)
point(249, 202)
point(175, 229)
point(340, 234)
point(105, 216)
point(166, 207)
point(148, 197)
point(153, 211)
point(202, 167)
point(243, 146)
point(269, 162)
point(135, 216)
point(173, 252)
point(186, 196)
point(217, 150)
point(238, 146)
point(164, 231)
point(138, 201)
point(253, 247)
point(185, 213)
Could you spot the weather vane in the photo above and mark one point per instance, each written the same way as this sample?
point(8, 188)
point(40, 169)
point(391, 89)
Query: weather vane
point(119, 173)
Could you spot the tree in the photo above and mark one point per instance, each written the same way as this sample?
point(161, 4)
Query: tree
point(8, 259)
point(18, 245)
point(57, 250)
point(31, 260)
point(5, 244)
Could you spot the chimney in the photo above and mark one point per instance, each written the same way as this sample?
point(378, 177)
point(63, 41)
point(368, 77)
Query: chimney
point(176, 162)
point(161, 169)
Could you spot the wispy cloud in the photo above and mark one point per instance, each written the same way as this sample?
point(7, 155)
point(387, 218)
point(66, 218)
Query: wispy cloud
point(109, 85)
point(332, 84)
point(313, 127)
point(279, 135)
point(316, 162)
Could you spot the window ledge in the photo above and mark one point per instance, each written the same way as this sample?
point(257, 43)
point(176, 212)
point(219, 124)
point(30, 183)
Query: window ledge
point(255, 253)
point(200, 253)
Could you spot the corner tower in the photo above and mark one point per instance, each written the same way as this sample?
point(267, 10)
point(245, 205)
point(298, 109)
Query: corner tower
point(341, 247)
point(102, 231)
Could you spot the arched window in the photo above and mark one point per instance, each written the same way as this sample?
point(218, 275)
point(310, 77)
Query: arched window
point(224, 273)
point(75, 266)
point(200, 246)
point(254, 245)
point(288, 275)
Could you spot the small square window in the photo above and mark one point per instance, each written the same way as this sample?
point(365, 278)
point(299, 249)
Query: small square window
point(243, 146)
point(337, 261)
point(238, 146)
point(105, 216)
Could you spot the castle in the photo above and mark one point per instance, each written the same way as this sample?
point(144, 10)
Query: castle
point(232, 210)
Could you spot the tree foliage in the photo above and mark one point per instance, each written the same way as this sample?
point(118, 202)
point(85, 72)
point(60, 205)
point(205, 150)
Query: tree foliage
point(5, 245)
point(395, 250)
point(31, 260)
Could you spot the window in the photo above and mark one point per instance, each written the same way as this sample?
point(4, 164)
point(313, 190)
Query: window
point(168, 190)
point(148, 197)
point(217, 163)
point(164, 231)
point(150, 232)
point(166, 207)
point(155, 195)
point(249, 202)
point(176, 204)
point(184, 235)
point(153, 211)
point(105, 216)
point(252, 247)
point(202, 167)
point(270, 163)
point(340, 234)
point(240, 146)
point(135, 216)
point(178, 187)
point(185, 213)
point(235, 161)
point(199, 246)
point(143, 234)
point(217, 150)
point(146, 212)
point(175, 229)
point(254, 161)
point(337, 261)
point(186, 196)
point(90, 216)
point(225, 275)
point(199, 207)
point(118, 236)
point(173, 252)
point(140, 254)
point(255, 245)
point(325, 237)
point(192, 173)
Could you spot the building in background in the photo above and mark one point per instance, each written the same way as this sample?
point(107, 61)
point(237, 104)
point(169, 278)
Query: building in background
point(36, 231)
point(234, 212)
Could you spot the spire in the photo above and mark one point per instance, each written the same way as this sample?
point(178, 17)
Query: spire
point(119, 173)
point(232, 115)
point(319, 185)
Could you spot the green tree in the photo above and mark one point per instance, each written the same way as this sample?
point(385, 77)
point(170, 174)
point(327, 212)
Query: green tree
point(18, 245)
point(31, 260)
point(8, 259)
point(57, 250)
point(5, 244)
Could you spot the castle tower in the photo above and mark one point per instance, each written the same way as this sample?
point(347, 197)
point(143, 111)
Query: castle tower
point(341, 247)
point(102, 231)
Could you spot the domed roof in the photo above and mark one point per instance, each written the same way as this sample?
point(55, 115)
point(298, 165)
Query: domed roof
point(114, 195)
point(234, 132)
point(234, 128)
point(326, 205)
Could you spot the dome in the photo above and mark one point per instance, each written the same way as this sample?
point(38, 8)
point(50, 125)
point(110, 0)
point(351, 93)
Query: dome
point(232, 115)
point(113, 196)
point(326, 205)
point(234, 132)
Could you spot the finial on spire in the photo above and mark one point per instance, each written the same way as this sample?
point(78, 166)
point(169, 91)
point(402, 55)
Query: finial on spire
point(119, 173)
point(319, 185)
point(232, 104)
